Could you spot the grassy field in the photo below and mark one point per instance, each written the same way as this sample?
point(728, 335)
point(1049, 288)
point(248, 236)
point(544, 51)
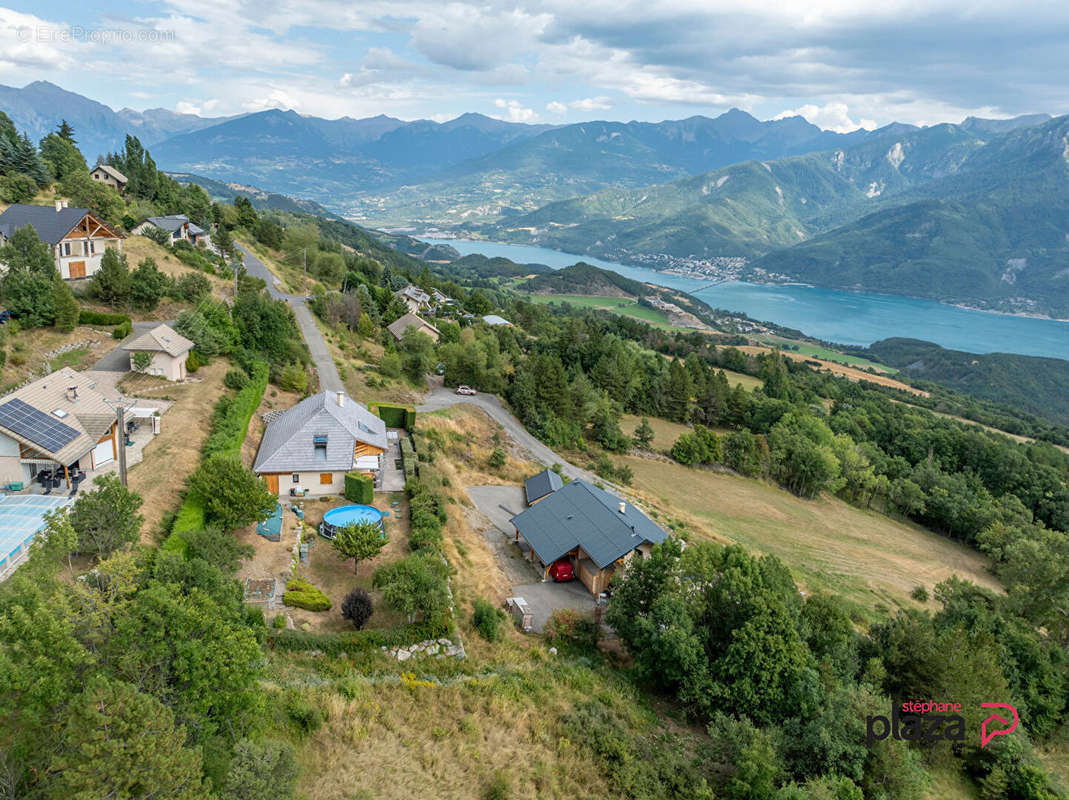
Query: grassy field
point(26, 351)
point(829, 545)
point(852, 373)
point(624, 306)
point(825, 353)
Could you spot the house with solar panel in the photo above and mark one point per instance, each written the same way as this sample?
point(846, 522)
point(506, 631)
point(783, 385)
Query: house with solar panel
point(595, 532)
point(307, 450)
point(59, 425)
point(77, 236)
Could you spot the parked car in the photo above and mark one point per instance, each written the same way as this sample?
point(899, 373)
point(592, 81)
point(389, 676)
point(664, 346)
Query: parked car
point(465, 390)
point(561, 571)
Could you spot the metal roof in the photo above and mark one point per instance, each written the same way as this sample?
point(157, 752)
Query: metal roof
point(171, 223)
point(582, 515)
point(545, 482)
point(288, 446)
point(161, 339)
point(494, 319)
point(51, 224)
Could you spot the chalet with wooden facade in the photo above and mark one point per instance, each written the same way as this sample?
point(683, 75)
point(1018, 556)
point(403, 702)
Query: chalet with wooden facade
point(307, 449)
point(59, 423)
point(109, 176)
point(594, 530)
point(77, 236)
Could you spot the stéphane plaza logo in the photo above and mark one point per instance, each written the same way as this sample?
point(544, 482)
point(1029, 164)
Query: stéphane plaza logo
point(933, 721)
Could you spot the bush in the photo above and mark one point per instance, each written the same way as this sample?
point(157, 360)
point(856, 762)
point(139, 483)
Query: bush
point(306, 717)
point(230, 421)
point(294, 378)
point(394, 415)
point(235, 379)
point(497, 458)
point(279, 622)
point(568, 627)
point(359, 488)
point(357, 608)
point(192, 362)
point(122, 330)
point(301, 594)
point(920, 594)
point(486, 619)
point(87, 317)
point(425, 538)
point(263, 770)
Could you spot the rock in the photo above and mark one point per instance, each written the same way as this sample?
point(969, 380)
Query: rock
point(553, 651)
point(432, 650)
point(403, 655)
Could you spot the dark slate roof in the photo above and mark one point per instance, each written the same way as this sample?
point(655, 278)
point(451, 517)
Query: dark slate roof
point(540, 485)
point(170, 223)
point(51, 225)
point(287, 445)
point(582, 515)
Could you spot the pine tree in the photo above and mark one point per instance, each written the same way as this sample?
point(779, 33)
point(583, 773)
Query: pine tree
point(65, 131)
point(66, 306)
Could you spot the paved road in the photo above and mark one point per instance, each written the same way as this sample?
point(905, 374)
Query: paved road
point(317, 345)
point(441, 397)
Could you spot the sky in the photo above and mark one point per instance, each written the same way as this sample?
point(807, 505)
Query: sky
point(842, 64)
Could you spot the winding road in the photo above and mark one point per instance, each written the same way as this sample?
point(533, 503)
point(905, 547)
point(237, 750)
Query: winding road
point(439, 397)
point(317, 345)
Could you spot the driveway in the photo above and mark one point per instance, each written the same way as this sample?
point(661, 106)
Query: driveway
point(118, 360)
point(317, 345)
point(441, 397)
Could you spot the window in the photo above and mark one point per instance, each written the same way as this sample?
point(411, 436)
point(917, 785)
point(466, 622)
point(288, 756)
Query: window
point(320, 443)
point(326, 478)
point(66, 248)
point(92, 248)
point(296, 477)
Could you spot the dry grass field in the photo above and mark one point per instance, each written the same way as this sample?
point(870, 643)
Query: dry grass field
point(26, 352)
point(845, 371)
point(356, 359)
point(171, 457)
point(829, 545)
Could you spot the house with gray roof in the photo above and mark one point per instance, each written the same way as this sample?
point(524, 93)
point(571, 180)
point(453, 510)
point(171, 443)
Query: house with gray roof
point(540, 486)
point(77, 236)
point(398, 327)
point(308, 449)
point(168, 351)
point(596, 531)
point(109, 176)
point(177, 226)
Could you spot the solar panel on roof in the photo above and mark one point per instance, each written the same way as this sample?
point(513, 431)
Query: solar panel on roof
point(36, 426)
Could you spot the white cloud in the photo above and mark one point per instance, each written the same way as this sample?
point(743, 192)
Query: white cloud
point(556, 107)
point(831, 117)
point(592, 104)
point(515, 111)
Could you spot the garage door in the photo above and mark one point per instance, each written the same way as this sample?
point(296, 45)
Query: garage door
point(77, 269)
point(102, 454)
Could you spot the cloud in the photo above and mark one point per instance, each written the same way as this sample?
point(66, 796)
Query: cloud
point(556, 107)
point(830, 117)
point(515, 111)
point(592, 104)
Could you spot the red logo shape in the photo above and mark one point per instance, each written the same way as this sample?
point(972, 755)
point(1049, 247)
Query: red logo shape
point(986, 737)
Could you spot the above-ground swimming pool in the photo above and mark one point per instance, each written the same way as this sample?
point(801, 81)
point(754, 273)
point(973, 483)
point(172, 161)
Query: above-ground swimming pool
point(348, 515)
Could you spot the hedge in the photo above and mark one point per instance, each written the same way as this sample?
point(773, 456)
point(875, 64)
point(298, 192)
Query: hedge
point(335, 644)
point(122, 330)
point(395, 415)
point(408, 459)
point(230, 424)
point(302, 594)
point(359, 488)
point(87, 317)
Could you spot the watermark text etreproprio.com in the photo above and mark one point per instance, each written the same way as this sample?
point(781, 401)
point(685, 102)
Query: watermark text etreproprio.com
point(79, 34)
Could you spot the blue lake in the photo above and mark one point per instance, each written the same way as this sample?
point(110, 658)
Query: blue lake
point(835, 316)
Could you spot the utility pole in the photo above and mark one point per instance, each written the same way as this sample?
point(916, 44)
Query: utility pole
point(120, 413)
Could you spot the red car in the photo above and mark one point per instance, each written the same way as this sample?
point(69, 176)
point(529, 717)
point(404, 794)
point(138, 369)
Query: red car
point(561, 571)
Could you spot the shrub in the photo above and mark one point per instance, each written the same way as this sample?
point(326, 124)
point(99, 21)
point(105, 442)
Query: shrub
point(306, 717)
point(497, 458)
point(486, 619)
point(122, 330)
point(279, 622)
point(394, 415)
point(262, 770)
point(235, 379)
point(192, 362)
point(425, 538)
point(357, 608)
point(359, 488)
point(301, 594)
point(920, 594)
point(568, 627)
point(294, 378)
point(87, 317)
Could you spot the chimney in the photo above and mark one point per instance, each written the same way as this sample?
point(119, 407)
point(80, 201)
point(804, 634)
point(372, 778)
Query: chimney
point(623, 507)
point(341, 398)
point(64, 202)
point(59, 206)
point(72, 393)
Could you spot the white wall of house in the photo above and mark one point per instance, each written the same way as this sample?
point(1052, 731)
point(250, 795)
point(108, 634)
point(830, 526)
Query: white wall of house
point(173, 368)
point(311, 482)
point(100, 176)
point(84, 252)
point(10, 468)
